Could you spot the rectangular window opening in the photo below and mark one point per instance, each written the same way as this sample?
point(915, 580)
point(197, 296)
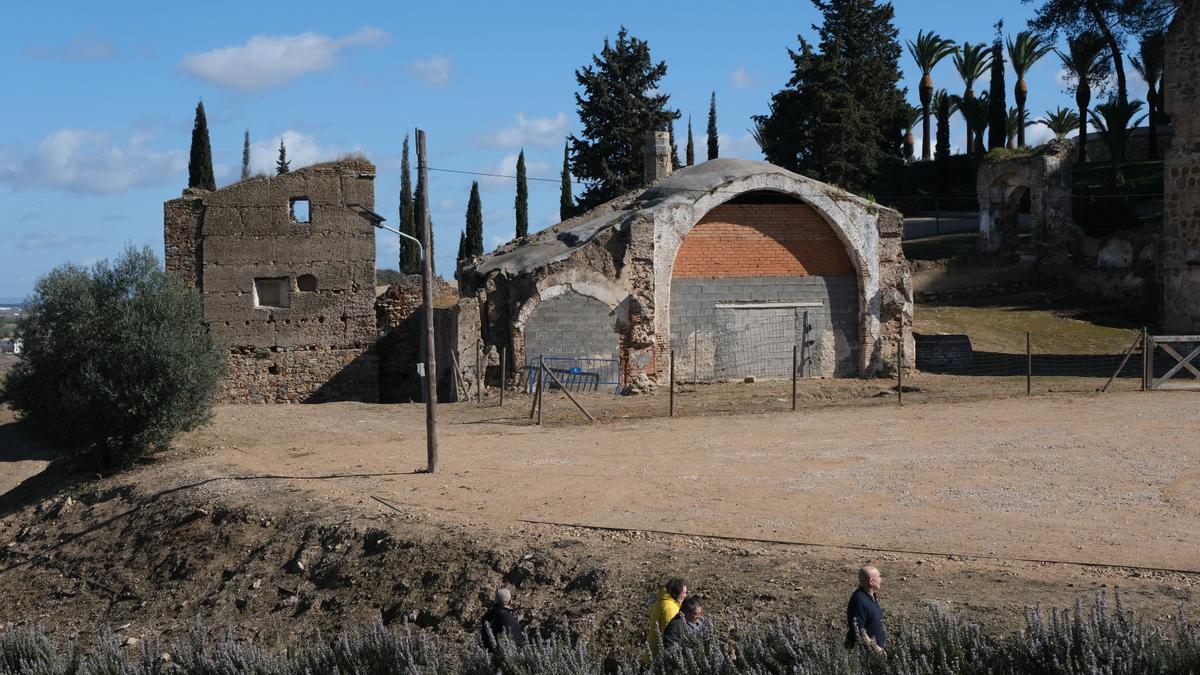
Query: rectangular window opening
point(300, 210)
point(271, 292)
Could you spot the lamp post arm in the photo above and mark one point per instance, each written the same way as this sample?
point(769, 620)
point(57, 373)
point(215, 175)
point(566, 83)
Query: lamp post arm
point(405, 236)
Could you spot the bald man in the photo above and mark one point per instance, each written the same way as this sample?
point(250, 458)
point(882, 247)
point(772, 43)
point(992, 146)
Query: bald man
point(863, 614)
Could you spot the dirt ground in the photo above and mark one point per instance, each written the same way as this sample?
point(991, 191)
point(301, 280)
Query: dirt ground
point(283, 520)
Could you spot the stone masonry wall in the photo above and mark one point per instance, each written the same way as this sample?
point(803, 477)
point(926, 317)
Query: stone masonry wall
point(1181, 199)
point(182, 238)
point(314, 343)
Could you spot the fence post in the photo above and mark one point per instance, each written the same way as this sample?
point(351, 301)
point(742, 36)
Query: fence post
point(1147, 359)
point(503, 374)
point(695, 356)
point(672, 383)
point(795, 349)
point(1028, 364)
point(478, 374)
point(541, 386)
point(804, 344)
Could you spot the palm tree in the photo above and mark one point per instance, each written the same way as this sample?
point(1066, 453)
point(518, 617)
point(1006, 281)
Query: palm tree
point(972, 61)
point(1114, 123)
point(1026, 51)
point(1014, 127)
point(1083, 61)
point(927, 51)
point(944, 105)
point(911, 119)
point(1061, 121)
point(975, 113)
point(1149, 64)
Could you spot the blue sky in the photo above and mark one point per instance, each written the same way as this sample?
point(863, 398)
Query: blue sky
point(100, 98)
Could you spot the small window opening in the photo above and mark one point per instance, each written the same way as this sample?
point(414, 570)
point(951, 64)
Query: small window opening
point(273, 369)
point(300, 212)
point(271, 292)
point(306, 283)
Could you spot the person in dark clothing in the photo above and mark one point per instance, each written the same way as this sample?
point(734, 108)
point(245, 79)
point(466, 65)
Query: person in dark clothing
point(500, 620)
point(863, 613)
point(686, 622)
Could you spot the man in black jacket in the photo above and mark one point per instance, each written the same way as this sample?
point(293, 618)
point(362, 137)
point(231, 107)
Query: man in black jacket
point(863, 613)
point(686, 622)
point(500, 620)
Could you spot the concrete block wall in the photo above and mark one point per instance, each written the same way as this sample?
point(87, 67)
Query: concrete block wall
point(571, 324)
point(1181, 198)
point(248, 231)
point(718, 343)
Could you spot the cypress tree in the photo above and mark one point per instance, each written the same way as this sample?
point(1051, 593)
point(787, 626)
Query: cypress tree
point(522, 205)
point(713, 146)
point(617, 107)
point(419, 217)
point(200, 169)
point(474, 230)
point(410, 254)
point(997, 106)
point(462, 245)
point(566, 204)
point(691, 145)
point(282, 165)
point(674, 149)
point(246, 155)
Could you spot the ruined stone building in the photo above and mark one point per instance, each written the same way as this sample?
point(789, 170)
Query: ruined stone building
point(286, 268)
point(1181, 172)
point(730, 263)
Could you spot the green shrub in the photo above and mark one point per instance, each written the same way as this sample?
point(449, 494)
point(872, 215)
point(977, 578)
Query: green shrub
point(116, 358)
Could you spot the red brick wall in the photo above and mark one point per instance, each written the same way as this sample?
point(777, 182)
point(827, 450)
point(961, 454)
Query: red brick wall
point(762, 240)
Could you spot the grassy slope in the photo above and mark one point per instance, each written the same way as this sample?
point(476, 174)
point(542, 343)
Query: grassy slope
point(1001, 327)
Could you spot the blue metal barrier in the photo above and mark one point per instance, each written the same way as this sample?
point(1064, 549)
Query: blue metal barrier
point(577, 373)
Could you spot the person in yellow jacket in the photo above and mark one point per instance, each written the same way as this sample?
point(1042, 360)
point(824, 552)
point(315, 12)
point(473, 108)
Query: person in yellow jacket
point(670, 596)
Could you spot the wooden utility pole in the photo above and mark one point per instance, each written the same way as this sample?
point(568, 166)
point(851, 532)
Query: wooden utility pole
point(431, 444)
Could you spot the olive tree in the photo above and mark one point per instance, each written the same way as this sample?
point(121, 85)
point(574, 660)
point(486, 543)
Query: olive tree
point(117, 358)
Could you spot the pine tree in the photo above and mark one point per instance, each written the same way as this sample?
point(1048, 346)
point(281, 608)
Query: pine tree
point(616, 111)
point(566, 204)
point(410, 253)
point(713, 145)
point(282, 165)
point(842, 116)
point(200, 169)
point(691, 145)
point(998, 107)
point(474, 230)
point(246, 155)
point(522, 205)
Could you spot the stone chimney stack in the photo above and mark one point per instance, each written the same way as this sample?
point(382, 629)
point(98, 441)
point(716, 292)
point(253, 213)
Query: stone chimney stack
point(656, 156)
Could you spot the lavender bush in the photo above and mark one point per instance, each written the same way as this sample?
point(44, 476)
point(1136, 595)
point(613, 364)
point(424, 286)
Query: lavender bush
point(1098, 639)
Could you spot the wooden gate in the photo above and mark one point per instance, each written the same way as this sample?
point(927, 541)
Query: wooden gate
point(1167, 344)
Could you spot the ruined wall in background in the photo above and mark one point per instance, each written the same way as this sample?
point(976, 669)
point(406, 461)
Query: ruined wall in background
point(287, 272)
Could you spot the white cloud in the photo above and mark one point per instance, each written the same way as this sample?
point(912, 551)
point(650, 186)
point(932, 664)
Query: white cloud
point(1037, 134)
point(433, 71)
point(87, 46)
point(267, 61)
point(741, 78)
point(302, 150)
point(543, 131)
point(37, 240)
point(507, 166)
point(742, 147)
point(89, 161)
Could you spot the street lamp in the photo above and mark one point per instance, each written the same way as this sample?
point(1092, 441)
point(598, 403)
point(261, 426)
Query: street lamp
point(429, 363)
